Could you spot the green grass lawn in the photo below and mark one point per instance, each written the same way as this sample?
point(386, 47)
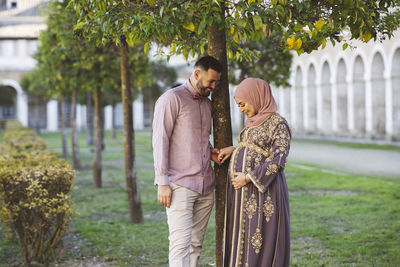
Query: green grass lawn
point(336, 219)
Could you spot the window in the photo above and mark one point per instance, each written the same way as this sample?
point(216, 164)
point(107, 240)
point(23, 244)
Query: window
point(8, 112)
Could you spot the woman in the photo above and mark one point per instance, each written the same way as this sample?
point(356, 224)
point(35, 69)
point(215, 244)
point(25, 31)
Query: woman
point(257, 205)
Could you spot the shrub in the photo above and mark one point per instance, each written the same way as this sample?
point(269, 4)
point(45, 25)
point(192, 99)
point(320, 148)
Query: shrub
point(18, 139)
point(35, 202)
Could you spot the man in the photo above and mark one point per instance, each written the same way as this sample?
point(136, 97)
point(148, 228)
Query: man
point(182, 152)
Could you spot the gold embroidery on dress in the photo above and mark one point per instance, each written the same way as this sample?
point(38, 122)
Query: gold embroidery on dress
point(242, 219)
point(273, 168)
point(256, 182)
point(268, 208)
point(256, 241)
point(251, 206)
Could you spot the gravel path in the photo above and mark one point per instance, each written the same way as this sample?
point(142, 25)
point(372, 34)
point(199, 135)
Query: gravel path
point(373, 162)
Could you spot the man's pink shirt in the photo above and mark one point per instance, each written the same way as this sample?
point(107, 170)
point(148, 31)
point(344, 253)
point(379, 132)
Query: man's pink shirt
point(181, 145)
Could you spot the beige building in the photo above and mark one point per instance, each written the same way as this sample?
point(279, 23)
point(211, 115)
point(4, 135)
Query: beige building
point(20, 24)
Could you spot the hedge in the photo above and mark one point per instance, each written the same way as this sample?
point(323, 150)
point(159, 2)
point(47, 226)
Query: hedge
point(34, 193)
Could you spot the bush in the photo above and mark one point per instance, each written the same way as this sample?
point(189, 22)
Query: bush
point(34, 195)
point(18, 139)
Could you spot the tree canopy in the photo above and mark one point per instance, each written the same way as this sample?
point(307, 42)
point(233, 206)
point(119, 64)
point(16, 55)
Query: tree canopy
point(307, 24)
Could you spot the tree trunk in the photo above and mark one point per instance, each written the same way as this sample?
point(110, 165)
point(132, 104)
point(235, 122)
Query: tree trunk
point(89, 118)
point(64, 134)
point(222, 128)
point(113, 130)
point(103, 146)
point(75, 145)
point(97, 138)
point(129, 140)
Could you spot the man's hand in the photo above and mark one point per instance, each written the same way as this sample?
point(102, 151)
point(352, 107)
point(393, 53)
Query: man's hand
point(164, 195)
point(214, 156)
point(225, 153)
point(239, 180)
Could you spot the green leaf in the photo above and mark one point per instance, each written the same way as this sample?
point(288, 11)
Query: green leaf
point(189, 26)
point(151, 2)
point(344, 46)
point(257, 22)
point(129, 42)
point(281, 12)
point(79, 25)
point(146, 47)
point(367, 36)
point(323, 44)
point(300, 51)
point(202, 25)
point(185, 53)
point(298, 27)
point(173, 48)
point(319, 24)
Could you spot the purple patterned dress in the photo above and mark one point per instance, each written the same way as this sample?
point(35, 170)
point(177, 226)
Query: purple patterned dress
point(257, 231)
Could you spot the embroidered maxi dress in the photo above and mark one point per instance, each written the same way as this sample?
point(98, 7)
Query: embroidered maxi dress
point(257, 215)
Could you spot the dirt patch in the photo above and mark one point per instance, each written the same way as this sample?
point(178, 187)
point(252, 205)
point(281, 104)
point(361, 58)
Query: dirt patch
point(84, 262)
point(340, 227)
point(307, 245)
point(155, 216)
point(320, 192)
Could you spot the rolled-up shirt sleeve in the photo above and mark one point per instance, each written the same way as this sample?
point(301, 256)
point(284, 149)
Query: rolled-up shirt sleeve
point(165, 113)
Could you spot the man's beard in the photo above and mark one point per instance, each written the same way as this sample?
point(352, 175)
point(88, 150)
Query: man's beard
point(203, 89)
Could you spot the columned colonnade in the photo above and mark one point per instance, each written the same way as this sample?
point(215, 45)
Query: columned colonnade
point(351, 93)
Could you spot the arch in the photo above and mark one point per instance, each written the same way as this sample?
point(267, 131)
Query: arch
point(378, 95)
point(359, 96)
point(395, 77)
point(298, 88)
point(22, 102)
point(326, 94)
point(312, 98)
point(341, 97)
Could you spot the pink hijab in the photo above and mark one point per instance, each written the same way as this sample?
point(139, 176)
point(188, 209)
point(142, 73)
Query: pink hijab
point(257, 93)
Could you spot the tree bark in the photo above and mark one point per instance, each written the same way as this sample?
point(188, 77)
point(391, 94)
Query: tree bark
point(103, 145)
point(113, 130)
point(63, 131)
point(89, 118)
point(129, 140)
point(97, 138)
point(75, 146)
point(221, 126)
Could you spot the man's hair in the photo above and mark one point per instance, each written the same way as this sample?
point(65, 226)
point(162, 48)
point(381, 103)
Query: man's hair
point(208, 62)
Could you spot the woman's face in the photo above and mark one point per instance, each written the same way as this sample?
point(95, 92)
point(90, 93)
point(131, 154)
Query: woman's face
point(245, 107)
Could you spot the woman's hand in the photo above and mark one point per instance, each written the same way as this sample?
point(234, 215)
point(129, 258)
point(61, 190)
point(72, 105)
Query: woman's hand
point(239, 180)
point(225, 153)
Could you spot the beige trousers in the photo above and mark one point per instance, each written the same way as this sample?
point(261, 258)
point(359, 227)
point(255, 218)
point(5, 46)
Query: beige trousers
point(187, 221)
